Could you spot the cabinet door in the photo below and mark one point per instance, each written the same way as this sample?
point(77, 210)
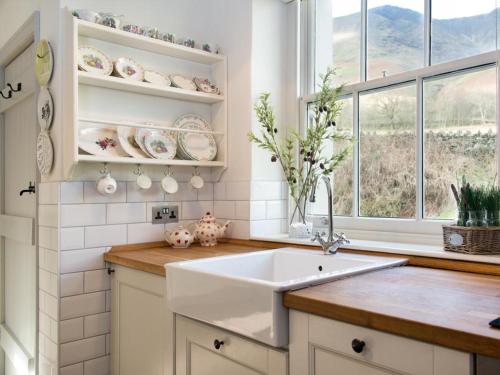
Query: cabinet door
point(196, 353)
point(142, 334)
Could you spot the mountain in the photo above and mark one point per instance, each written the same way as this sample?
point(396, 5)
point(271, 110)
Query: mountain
point(395, 38)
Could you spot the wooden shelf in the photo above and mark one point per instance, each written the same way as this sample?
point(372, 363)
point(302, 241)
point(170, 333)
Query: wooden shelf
point(147, 161)
point(124, 38)
point(146, 88)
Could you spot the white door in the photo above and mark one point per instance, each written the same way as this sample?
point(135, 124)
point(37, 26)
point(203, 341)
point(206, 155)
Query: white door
point(19, 323)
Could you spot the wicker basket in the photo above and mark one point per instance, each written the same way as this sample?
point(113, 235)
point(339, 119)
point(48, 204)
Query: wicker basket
point(479, 241)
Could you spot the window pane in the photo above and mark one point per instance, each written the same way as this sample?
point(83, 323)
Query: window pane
point(342, 177)
point(460, 135)
point(338, 38)
point(387, 152)
point(395, 40)
point(462, 28)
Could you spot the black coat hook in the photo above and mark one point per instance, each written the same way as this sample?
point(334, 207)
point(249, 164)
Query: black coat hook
point(9, 95)
point(19, 87)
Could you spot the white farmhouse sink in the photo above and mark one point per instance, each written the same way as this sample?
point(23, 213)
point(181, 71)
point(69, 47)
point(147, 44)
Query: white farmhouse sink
point(243, 293)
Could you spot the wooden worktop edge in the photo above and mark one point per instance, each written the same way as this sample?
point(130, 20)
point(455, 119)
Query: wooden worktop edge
point(459, 340)
point(115, 258)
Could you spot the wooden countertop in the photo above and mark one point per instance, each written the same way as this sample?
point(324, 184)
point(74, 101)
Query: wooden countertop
point(151, 257)
point(447, 308)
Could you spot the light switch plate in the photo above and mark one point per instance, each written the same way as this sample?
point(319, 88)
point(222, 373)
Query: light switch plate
point(165, 214)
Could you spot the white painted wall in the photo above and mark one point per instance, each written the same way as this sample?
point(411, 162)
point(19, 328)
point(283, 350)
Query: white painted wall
point(13, 13)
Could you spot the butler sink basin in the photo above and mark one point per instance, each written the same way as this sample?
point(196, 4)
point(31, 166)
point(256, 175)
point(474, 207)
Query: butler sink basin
point(244, 293)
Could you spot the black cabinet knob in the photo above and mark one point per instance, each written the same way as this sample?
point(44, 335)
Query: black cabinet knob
point(358, 345)
point(218, 344)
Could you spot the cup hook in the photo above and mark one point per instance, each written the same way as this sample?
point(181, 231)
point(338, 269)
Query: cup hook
point(104, 169)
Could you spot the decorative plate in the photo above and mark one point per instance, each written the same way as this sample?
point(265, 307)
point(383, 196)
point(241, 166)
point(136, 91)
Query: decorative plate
point(100, 142)
point(195, 146)
point(126, 137)
point(204, 85)
point(139, 136)
point(44, 153)
point(156, 78)
point(182, 82)
point(160, 146)
point(92, 60)
point(129, 69)
point(44, 62)
point(45, 109)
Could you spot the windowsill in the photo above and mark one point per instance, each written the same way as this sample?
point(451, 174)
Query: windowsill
point(390, 247)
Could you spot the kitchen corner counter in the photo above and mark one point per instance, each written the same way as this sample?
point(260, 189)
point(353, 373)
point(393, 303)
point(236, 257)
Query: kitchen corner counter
point(446, 308)
point(151, 257)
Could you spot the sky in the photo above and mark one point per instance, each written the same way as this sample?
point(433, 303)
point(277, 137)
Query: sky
point(441, 9)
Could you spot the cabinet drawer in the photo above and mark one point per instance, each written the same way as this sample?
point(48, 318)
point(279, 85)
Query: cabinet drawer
point(387, 351)
point(238, 349)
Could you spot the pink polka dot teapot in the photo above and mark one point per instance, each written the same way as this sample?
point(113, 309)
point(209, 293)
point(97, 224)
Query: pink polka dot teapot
point(179, 238)
point(207, 231)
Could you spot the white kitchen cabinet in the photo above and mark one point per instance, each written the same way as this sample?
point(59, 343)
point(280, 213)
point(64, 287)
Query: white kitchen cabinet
point(320, 346)
point(202, 349)
point(142, 335)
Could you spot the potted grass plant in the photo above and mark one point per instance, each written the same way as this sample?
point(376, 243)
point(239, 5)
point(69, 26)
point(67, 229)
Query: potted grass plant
point(301, 156)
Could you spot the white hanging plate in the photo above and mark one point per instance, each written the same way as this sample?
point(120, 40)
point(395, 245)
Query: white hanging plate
point(44, 62)
point(45, 109)
point(182, 82)
point(44, 153)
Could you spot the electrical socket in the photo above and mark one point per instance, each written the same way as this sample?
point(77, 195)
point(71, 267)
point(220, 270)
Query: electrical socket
point(165, 214)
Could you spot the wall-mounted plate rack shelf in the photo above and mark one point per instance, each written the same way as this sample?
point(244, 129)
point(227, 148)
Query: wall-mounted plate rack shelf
point(146, 88)
point(77, 104)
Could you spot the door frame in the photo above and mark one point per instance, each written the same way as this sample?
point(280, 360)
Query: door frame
point(27, 34)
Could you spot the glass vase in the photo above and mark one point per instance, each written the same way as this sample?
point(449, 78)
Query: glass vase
point(477, 219)
point(493, 218)
point(462, 217)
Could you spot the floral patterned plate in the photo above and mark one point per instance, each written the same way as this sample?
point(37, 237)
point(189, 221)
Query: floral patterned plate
point(126, 136)
point(160, 146)
point(204, 85)
point(182, 82)
point(195, 146)
point(140, 135)
point(156, 78)
point(129, 69)
point(100, 142)
point(92, 60)
point(45, 109)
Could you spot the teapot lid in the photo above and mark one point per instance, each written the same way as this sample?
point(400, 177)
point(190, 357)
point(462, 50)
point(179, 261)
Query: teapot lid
point(208, 218)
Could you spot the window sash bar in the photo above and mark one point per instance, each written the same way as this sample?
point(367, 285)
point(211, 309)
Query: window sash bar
point(420, 150)
point(355, 156)
point(427, 32)
point(363, 57)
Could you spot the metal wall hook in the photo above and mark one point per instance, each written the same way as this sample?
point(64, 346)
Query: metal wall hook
point(9, 95)
point(19, 87)
point(104, 169)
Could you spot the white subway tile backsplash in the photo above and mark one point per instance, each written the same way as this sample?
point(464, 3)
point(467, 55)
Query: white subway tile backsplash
point(185, 193)
point(265, 227)
point(220, 191)
point(257, 210)
point(76, 369)
point(50, 349)
point(71, 330)
point(91, 195)
point(123, 213)
point(206, 193)
point(72, 238)
point(48, 238)
point(274, 209)
point(108, 344)
point(76, 215)
point(84, 304)
point(242, 210)
point(82, 260)
point(96, 281)
point(105, 235)
point(48, 215)
point(72, 192)
point(48, 304)
point(48, 260)
point(195, 210)
point(48, 193)
point(266, 190)
point(98, 324)
point(48, 282)
point(98, 366)
point(44, 323)
point(136, 194)
point(239, 229)
point(108, 300)
point(82, 350)
point(224, 209)
point(238, 191)
point(71, 284)
point(145, 232)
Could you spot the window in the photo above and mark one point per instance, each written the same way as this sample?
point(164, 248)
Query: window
point(420, 97)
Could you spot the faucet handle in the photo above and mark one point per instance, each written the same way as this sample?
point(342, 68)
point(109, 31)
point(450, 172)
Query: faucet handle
point(316, 237)
point(342, 237)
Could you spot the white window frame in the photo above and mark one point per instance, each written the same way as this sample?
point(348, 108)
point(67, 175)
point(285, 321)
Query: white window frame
point(415, 230)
